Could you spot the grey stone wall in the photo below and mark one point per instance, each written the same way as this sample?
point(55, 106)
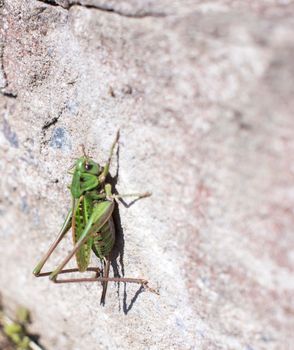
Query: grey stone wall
point(203, 95)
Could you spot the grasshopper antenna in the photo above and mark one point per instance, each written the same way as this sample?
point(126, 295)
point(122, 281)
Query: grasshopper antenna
point(86, 155)
point(84, 151)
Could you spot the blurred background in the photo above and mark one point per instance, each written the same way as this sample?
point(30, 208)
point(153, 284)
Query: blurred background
point(202, 92)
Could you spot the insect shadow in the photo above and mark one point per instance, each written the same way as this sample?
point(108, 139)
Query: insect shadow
point(117, 254)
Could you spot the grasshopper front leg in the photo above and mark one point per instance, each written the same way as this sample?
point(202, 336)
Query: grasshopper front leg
point(109, 195)
point(125, 195)
point(105, 171)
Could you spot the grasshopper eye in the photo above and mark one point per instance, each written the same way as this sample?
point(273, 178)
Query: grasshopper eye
point(88, 166)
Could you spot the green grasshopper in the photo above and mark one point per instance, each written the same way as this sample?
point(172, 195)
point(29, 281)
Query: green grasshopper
point(91, 221)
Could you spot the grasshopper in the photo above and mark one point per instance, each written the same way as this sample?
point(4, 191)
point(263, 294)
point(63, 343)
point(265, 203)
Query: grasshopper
point(90, 219)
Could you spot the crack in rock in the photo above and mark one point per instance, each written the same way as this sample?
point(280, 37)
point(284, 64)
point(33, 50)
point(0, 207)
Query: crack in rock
point(4, 85)
point(47, 124)
point(50, 123)
point(59, 139)
point(68, 4)
point(3, 80)
point(9, 94)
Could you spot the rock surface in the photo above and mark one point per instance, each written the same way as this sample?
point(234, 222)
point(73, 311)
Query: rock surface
point(203, 94)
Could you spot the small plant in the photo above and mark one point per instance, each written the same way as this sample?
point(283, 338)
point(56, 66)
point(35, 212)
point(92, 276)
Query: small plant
point(16, 330)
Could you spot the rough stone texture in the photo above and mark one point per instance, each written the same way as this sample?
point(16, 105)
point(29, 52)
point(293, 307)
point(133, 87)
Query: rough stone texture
point(203, 94)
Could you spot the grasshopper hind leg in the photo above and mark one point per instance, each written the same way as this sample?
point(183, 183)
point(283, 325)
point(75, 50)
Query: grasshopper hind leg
point(106, 268)
point(97, 271)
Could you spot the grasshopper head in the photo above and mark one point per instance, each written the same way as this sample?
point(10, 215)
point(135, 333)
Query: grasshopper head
point(87, 165)
point(85, 176)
